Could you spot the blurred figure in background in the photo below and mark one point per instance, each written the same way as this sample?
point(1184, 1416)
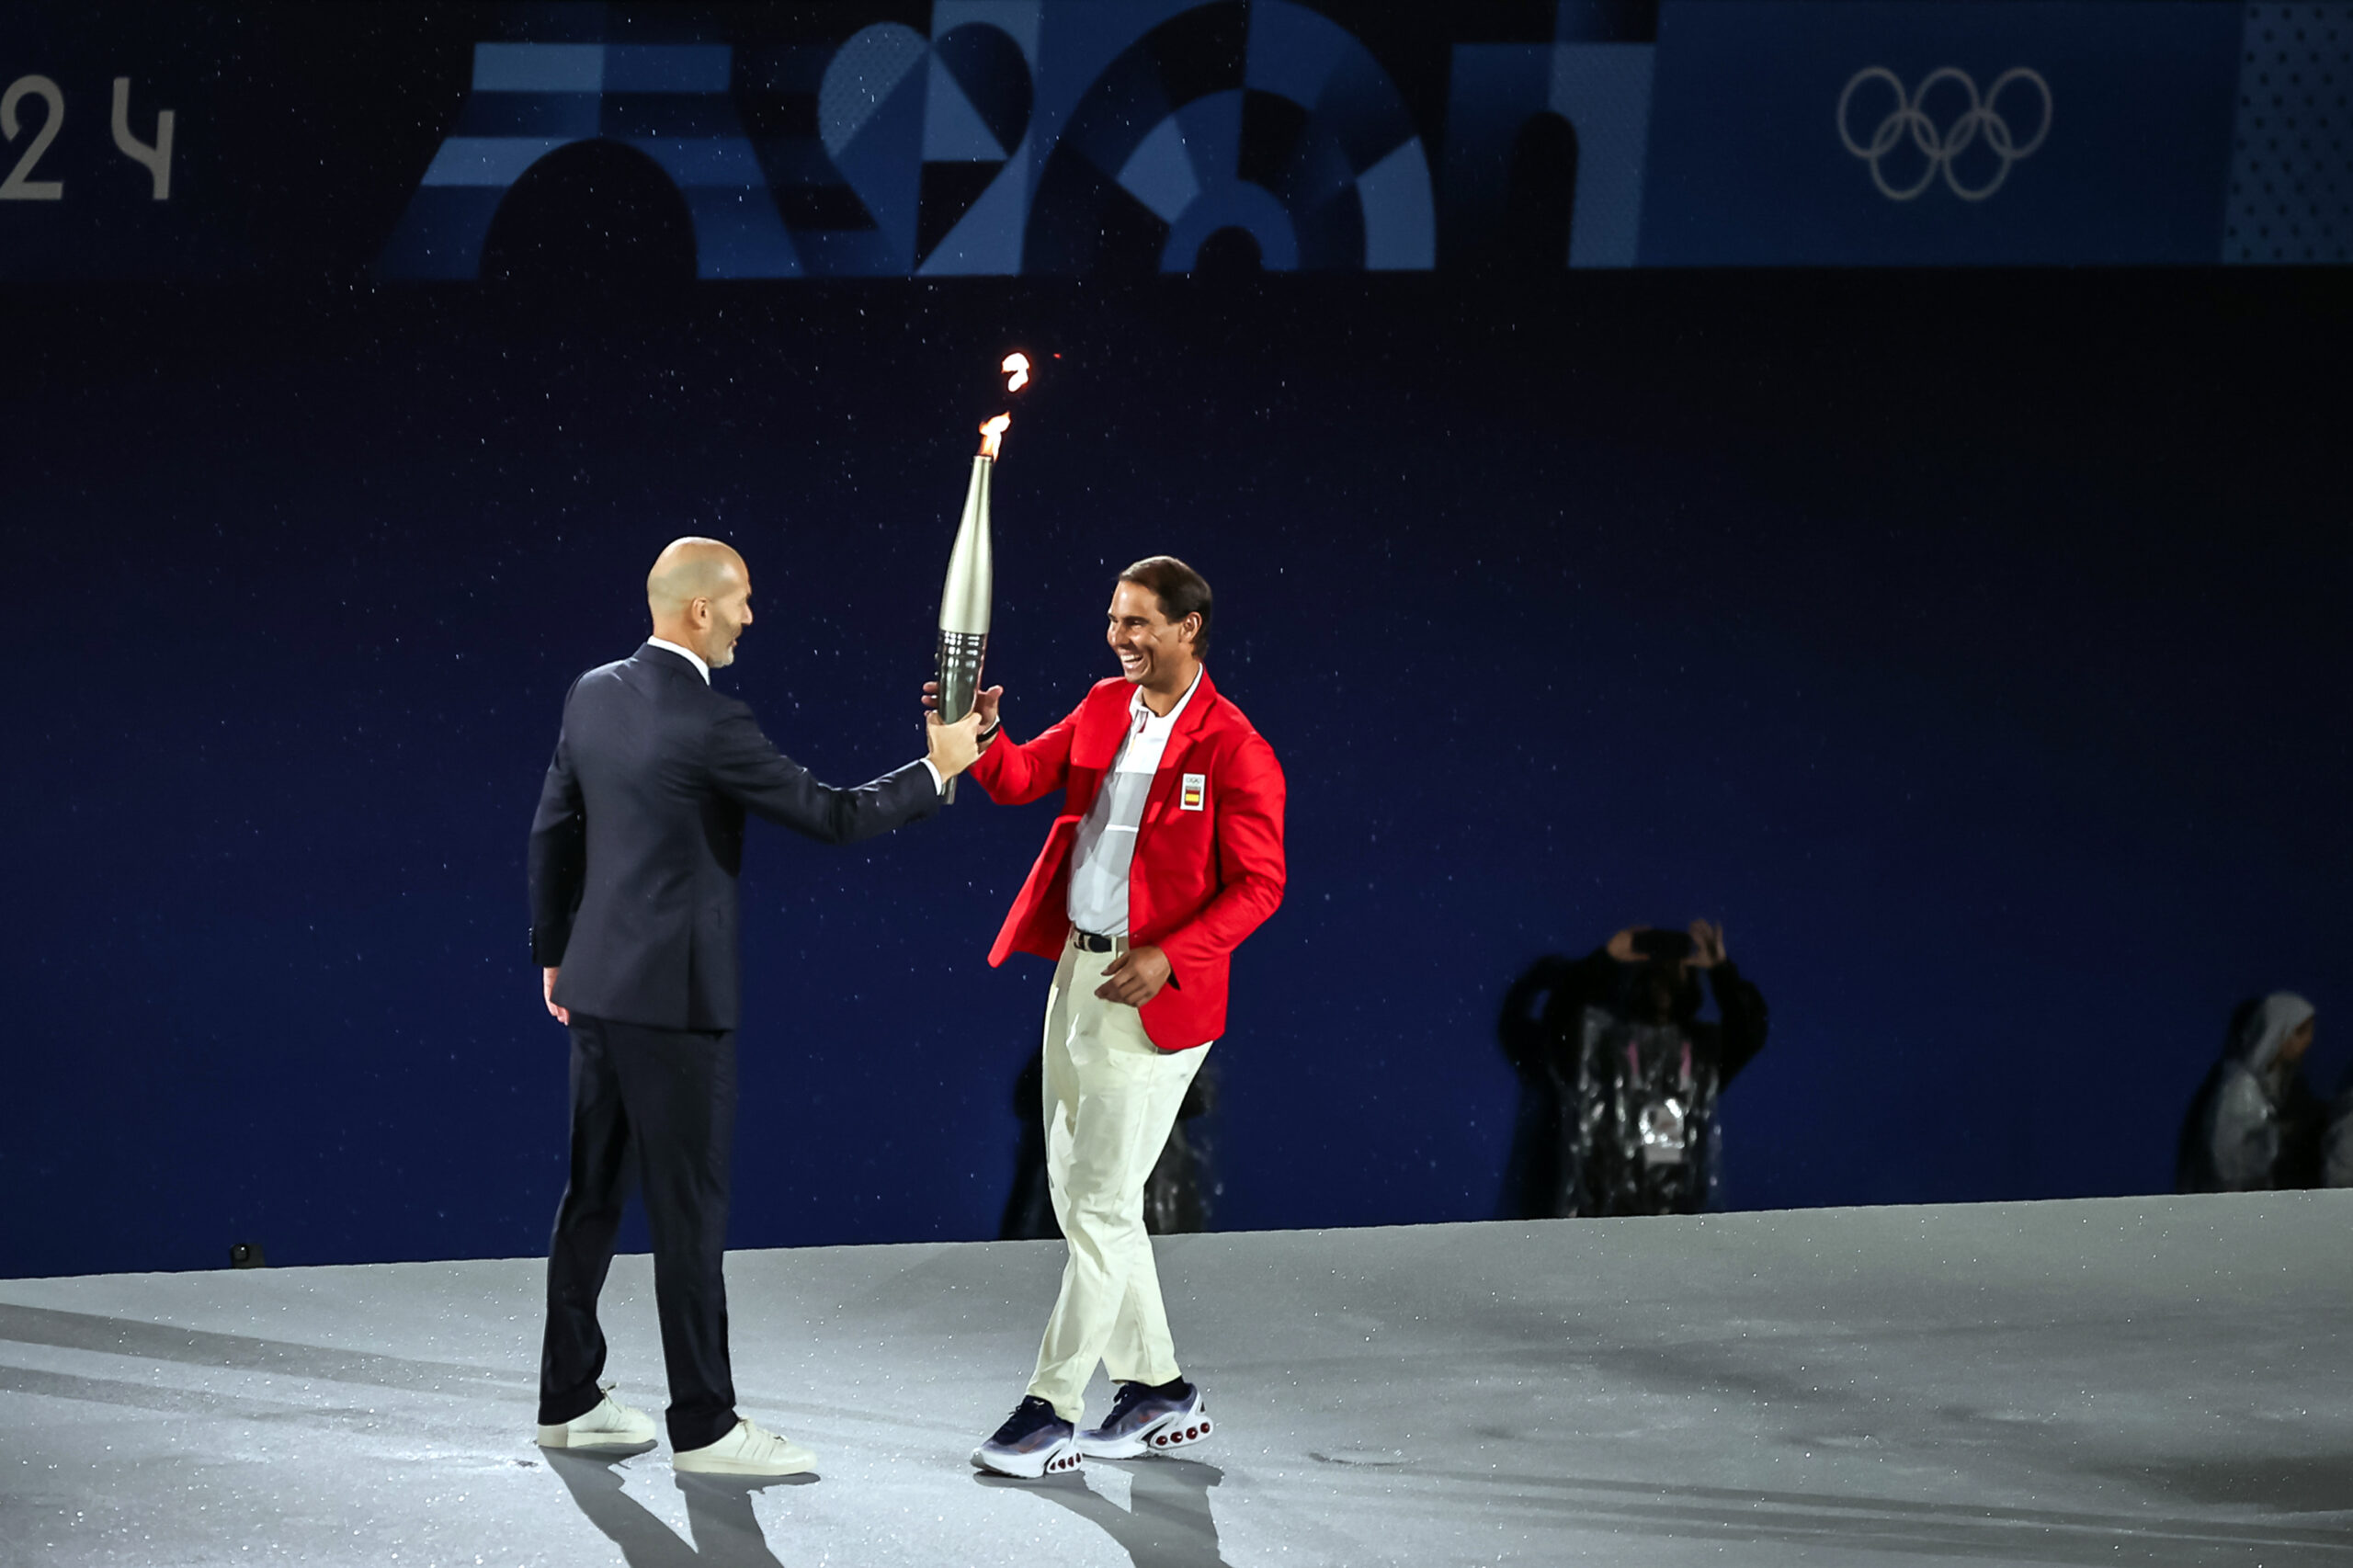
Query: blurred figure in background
point(2255, 1125)
point(2336, 1147)
point(1620, 1075)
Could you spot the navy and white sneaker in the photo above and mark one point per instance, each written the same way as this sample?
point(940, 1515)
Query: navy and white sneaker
point(1147, 1420)
point(1034, 1441)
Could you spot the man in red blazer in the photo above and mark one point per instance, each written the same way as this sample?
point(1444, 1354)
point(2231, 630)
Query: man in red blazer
point(1168, 852)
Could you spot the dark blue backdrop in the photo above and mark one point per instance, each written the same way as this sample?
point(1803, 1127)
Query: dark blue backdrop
point(1970, 644)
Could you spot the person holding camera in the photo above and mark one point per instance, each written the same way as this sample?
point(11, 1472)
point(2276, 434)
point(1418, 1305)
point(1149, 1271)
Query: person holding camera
point(1620, 1075)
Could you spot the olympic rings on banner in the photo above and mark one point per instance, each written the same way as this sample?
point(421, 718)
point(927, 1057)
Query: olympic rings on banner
point(1942, 148)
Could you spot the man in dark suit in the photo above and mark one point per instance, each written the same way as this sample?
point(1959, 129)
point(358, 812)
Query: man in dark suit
point(634, 853)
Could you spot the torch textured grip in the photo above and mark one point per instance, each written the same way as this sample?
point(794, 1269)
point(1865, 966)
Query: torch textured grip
point(961, 653)
point(961, 657)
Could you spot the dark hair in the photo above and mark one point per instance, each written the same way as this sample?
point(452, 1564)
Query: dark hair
point(1181, 591)
point(1658, 991)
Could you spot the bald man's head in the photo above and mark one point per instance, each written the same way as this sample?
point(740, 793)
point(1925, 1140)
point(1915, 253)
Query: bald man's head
point(700, 594)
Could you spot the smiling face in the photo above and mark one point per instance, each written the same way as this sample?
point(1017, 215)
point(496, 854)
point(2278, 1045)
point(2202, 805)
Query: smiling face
point(1154, 652)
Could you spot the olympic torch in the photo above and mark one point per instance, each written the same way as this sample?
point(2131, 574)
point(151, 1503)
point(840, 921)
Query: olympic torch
point(965, 597)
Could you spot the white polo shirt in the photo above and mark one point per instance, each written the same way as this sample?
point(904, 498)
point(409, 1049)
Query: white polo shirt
point(1106, 837)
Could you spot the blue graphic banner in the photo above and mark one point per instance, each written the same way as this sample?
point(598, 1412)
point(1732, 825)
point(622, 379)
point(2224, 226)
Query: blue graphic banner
point(999, 138)
point(1832, 132)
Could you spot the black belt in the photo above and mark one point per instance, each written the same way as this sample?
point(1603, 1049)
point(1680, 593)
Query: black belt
point(1088, 942)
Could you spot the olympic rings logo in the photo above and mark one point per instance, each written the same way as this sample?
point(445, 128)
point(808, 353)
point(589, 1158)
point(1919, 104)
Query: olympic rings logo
point(1941, 150)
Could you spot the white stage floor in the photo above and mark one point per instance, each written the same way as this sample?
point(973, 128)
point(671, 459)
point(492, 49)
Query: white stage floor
point(2159, 1381)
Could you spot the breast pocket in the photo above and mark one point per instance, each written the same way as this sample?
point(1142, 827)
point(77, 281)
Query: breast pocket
point(1180, 841)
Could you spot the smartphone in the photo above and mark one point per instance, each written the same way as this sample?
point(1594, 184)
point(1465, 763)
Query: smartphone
point(1671, 945)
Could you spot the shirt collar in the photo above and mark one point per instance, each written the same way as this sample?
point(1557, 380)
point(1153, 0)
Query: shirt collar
point(1135, 701)
point(692, 657)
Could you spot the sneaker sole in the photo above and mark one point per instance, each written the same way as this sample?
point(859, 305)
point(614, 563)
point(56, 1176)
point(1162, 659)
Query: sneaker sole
point(1059, 1459)
point(592, 1442)
point(802, 1465)
point(1164, 1435)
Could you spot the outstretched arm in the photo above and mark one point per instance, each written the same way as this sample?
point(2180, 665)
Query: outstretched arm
point(1016, 775)
point(747, 767)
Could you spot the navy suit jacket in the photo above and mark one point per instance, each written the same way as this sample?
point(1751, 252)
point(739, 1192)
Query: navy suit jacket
point(640, 835)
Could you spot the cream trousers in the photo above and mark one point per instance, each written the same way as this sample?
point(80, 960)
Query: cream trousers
point(1111, 1096)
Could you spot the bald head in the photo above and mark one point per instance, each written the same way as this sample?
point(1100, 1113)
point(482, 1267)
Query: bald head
point(689, 569)
point(701, 592)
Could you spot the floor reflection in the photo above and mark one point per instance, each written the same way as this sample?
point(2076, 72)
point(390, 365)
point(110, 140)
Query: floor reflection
point(1168, 1522)
point(719, 1512)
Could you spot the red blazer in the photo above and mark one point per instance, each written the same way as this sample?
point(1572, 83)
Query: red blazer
point(1209, 862)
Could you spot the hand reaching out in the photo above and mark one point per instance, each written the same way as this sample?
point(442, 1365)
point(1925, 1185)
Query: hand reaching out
point(951, 748)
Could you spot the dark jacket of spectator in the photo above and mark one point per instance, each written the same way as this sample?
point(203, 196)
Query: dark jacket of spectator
point(2256, 1124)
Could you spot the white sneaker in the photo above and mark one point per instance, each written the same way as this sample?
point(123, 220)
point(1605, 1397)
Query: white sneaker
point(612, 1426)
point(1145, 1421)
point(1034, 1441)
point(749, 1449)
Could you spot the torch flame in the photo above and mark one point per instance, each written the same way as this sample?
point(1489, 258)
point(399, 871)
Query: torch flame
point(992, 434)
point(1016, 366)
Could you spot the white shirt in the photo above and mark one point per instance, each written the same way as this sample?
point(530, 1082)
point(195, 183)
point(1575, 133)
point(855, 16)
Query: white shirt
point(702, 668)
point(1107, 838)
point(688, 655)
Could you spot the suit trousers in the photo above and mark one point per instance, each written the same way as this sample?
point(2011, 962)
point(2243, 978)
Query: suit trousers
point(657, 1108)
point(1111, 1097)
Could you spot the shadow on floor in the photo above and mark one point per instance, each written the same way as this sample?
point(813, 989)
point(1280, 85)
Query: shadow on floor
point(719, 1512)
point(148, 1395)
point(2303, 1483)
point(162, 1342)
point(1898, 1526)
point(1168, 1522)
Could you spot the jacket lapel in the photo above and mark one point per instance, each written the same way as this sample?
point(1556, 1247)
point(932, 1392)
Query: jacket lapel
point(1101, 725)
